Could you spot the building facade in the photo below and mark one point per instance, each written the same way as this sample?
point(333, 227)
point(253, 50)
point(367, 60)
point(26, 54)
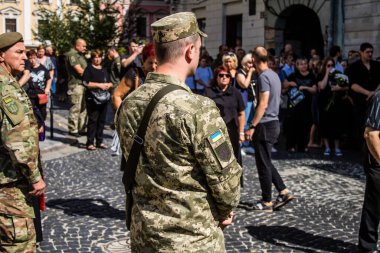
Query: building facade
point(306, 24)
point(22, 15)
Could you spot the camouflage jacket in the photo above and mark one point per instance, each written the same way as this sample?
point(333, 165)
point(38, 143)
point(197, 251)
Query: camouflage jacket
point(187, 178)
point(74, 58)
point(18, 148)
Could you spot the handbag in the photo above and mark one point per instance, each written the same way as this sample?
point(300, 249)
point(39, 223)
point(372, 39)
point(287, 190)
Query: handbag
point(100, 96)
point(295, 96)
point(42, 99)
point(129, 166)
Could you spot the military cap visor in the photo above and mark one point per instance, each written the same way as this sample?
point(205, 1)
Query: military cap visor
point(174, 27)
point(9, 39)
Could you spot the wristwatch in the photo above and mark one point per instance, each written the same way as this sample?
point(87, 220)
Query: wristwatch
point(252, 126)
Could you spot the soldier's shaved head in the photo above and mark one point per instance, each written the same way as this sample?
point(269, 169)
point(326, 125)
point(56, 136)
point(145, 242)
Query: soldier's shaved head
point(80, 45)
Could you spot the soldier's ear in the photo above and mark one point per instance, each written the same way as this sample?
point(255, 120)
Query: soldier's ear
point(2, 56)
point(190, 52)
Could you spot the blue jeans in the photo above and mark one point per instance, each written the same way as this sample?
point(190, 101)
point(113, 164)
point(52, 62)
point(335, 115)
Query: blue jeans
point(249, 113)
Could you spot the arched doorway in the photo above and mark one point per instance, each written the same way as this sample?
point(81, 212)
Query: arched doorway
point(300, 26)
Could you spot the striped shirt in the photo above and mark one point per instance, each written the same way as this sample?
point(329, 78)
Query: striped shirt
point(373, 117)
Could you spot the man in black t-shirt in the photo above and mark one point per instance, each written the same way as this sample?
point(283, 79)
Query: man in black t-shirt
point(364, 77)
point(369, 225)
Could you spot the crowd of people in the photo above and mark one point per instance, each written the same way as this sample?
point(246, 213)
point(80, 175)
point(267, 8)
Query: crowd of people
point(199, 116)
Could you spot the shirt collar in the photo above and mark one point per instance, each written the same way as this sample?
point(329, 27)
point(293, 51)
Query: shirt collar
point(167, 79)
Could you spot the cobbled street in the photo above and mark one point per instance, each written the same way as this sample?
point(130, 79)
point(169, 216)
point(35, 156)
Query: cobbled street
point(85, 205)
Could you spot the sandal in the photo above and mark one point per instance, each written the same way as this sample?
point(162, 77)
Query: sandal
point(260, 206)
point(102, 146)
point(282, 200)
point(91, 147)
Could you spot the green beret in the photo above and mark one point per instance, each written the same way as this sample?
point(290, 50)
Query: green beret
point(174, 27)
point(9, 39)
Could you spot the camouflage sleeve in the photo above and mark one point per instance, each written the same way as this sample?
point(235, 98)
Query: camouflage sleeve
point(72, 60)
point(19, 137)
point(214, 153)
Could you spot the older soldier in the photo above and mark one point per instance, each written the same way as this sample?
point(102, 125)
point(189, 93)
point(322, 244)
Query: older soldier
point(19, 175)
point(188, 180)
point(76, 64)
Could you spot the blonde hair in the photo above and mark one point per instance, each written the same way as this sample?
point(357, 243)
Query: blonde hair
point(231, 56)
point(246, 58)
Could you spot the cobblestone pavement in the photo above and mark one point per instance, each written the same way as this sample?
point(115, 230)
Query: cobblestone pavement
point(85, 206)
point(85, 202)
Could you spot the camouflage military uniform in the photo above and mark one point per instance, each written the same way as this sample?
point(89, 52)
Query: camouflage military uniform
point(115, 70)
point(187, 178)
point(77, 113)
point(18, 166)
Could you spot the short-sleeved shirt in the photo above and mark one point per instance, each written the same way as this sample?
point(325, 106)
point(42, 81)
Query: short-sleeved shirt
point(92, 74)
point(204, 74)
point(48, 64)
point(38, 78)
point(230, 102)
point(74, 58)
point(137, 77)
point(308, 80)
point(367, 79)
point(269, 81)
point(115, 71)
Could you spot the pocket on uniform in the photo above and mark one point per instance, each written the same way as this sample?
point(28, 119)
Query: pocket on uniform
point(7, 232)
point(22, 229)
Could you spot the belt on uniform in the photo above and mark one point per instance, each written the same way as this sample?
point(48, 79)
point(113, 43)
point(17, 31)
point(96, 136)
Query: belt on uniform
point(12, 184)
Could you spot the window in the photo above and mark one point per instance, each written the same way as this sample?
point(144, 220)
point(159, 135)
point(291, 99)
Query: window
point(202, 24)
point(10, 25)
point(252, 7)
point(141, 27)
point(43, 1)
point(41, 24)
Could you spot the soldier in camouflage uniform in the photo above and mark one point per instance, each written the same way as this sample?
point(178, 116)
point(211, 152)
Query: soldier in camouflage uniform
point(76, 64)
point(188, 180)
point(19, 175)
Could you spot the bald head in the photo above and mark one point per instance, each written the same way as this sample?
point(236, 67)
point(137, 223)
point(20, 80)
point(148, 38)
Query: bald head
point(260, 54)
point(81, 46)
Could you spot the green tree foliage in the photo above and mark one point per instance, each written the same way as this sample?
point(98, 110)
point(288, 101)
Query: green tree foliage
point(92, 20)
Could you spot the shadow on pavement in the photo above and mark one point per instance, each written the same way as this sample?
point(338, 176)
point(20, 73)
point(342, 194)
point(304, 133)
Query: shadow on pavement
point(296, 239)
point(97, 208)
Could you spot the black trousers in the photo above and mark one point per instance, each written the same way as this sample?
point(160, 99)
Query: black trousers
point(265, 136)
point(369, 224)
point(96, 121)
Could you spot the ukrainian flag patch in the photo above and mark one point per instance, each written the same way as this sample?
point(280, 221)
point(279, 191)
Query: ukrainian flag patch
point(216, 136)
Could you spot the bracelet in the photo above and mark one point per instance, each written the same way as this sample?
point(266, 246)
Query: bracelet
point(241, 133)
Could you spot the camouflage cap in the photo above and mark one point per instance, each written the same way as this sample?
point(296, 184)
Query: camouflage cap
point(174, 27)
point(9, 39)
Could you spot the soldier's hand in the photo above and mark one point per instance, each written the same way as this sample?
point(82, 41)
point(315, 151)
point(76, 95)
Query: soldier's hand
point(38, 188)
point(224, 223)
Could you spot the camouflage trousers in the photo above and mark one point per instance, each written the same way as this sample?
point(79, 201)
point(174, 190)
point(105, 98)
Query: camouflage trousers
point(77, 113)
point(17, 234)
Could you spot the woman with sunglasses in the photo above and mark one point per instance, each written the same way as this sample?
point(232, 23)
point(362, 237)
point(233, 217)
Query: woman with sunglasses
point(331, 107)
point(231, 106)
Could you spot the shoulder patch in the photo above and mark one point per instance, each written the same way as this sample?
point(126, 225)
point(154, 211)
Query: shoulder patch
point(221, 148)
point(72, 58)
point(13, 109)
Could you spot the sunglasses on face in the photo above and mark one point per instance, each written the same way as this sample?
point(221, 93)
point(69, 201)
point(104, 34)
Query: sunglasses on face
point(329, 65)
point(224, 75)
